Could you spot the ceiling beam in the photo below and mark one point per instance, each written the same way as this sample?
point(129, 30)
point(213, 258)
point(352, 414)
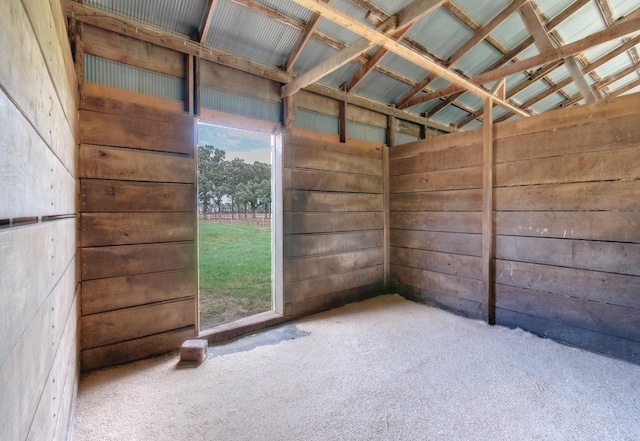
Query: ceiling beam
point(619, 30)
point(478, 37)
point(302, 41)
point(376, 37)
point(334, 62)
point(580, 81)
point(626, 88)
point(536, 99)
point(407, 17)
point(611, 55)
point(180, 43)
point(208, 18)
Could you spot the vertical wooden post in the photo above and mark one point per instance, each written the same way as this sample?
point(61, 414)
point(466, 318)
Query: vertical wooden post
point(386, 207)
point(189, 84)
point(196, 86)
point(488, 264)
point(343, 121)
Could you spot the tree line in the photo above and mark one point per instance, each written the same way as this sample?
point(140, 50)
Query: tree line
point(232, 186)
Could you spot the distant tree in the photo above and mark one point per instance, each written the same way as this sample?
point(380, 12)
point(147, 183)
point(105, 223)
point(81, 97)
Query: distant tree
point(256, 192)
point(211, 177)
point(238, 172)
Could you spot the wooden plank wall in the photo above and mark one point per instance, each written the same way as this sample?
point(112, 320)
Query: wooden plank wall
point(137, 224)
point(436, 227)
point(38, 290)
point(333, 223)
point(567, 225)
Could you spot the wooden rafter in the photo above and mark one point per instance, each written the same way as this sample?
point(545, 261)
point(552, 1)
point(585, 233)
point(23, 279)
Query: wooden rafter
point(376, 37)
point(207, 19)
point(536, 99)
point(619, 30)
point(407, 17)
point(302, 41)
point(478, 37)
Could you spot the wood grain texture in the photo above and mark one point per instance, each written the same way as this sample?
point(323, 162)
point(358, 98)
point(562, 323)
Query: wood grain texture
point(131, 131)
point(302, 245)
point(134, 165)
point(97, 195)
point(453, 200)
point(100, 98)
point(332, 283)
point(447, 263)
point(461, 222)
point(319, 159)
point(456, 243)
point(98, 229)
point(317, 266)
point(454, 179)
point(124, 260)
point(443, 284)
point(315, 201)
point(300, 141)
point(126, 324)
point(321, 180)
point(304, 223)
point(444, 159)
point(113, 293)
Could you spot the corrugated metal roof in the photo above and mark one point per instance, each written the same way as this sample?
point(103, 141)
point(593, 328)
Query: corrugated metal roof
point(366, 132)
point(183, 17)
point(615, 65)
point(482, 11)
point(449, 114)
point(531, 91)
point(551, 8)
point(289, 9)
point(548, 103)
point(342, 75)
point(478, 59)
point(405, 68)
point(317, 121)
point(380, 87)
point(262, 38)
point(512, 32)
point(441, 32)
point(391, 6)
point(314, 52)
point(583, 23)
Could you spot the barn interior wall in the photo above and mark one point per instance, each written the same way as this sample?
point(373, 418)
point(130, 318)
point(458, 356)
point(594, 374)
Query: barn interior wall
point(566, 224)
point(39, 366)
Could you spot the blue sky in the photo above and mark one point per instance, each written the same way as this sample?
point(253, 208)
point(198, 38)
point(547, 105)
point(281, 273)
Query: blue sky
point(249, 146)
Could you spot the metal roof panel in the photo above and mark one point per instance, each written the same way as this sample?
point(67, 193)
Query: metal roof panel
point(380, 87)
point(512, 32)
point(482, 11)
point(441, 32)
point(478, 59)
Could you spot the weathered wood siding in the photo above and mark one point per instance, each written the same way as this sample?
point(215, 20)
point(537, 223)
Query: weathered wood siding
point(38, 282)
point(567, 225)
point(333, 223)
point(137, 213)
point(436, 231)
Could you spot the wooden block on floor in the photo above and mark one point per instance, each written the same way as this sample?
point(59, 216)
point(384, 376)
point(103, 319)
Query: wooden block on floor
point(194, 350)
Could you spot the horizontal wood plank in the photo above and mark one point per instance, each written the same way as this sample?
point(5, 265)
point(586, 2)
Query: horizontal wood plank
point(320, 180)
point(301, 223)
point(125, 260)
point(135, 228)
point(127, 324)
point(317, 266)
point(334, 300)
point(137, 349)
point(598, 196)
point(445, 284)
point(620, 164)
point(445, 159)
point(134, 165)
point(453, 200)
point(447, 263)
point(453, 221)
point(318, 159)
point(621, 226)
point(102, 295)
point(97, 195)
point(611, 257)
point(301, 245)
point(123, 49)
point(305, 142)
point(610, 319)
point(457, 243)
point(616, 289)
point(303, 290)
point(457, 305)
point(453, 179)
point(333, 202)
point(436, 143)
point(132, 131)
point(100, 98)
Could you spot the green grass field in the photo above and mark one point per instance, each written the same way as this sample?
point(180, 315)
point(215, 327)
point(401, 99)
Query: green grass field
point(235, 271)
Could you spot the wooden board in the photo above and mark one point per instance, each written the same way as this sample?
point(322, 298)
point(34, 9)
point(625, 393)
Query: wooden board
point(457, 243)
point(98, 195)
point(123, 49)
point(317, 103)
point(112, 293)
point(130, 131)
point(613, 257)
point(301, 245)
point(34, 259)
point(309, 288)
point(317, 266)
point(334, 299)
point(615, 289)
point(314, 158)
point(303, 223)
point(447, 263)
point(333, 202)
point(457, 305)
point(126, 324)
point(34, 181)
point(620, 226)
point(100, 98)
point(319, 180)
point(452, 179)
point(135, 228)
point(124, 260)
point(136, 349)
point(436, 143)
point(444, 159)
point(456, 221)
point(351, 148)
point(597, 196)
point(134, 165)
point(445, 284)
point(453, 200)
